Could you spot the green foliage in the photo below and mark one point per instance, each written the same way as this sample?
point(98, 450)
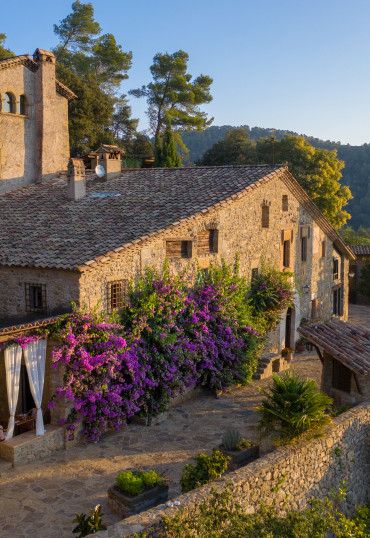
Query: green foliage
point(173, 95)
point(4, 52)
point(135, 482)
point(292, 406)
point(77, 29)
point(235, 148)
point(158, 152)
point(207, 468)
point(232, 440)
point(364, 283)
point(89, 524)
point(222, 517)
point(170, 158)
point(352, 237)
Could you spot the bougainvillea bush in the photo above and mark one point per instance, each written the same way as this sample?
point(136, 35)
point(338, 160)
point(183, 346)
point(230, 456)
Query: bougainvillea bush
point(104, 377)
point(171, 336)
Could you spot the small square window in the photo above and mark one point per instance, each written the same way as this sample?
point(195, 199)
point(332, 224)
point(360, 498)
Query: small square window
point(35, 297)
point(178, 249)
point(284, 201)
point(117, 294)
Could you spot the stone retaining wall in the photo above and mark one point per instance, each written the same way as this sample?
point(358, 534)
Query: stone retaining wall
point(308, 468)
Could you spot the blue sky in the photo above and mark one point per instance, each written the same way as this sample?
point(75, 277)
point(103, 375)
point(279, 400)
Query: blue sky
point(288, 64)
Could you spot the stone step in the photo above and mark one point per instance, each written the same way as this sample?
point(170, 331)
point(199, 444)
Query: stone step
point(5, 465)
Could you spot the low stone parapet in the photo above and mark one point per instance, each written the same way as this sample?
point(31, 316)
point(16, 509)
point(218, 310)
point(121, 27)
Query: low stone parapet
point(29, 447)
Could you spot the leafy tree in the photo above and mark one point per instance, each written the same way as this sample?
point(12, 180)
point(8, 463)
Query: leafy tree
point(235, 148)
point(364, 284)
point(170, 158)
point(93, 66)
point(77, 29)
point(4, 53)
point(352, 237)
point(173, 95)
point(158, 152)
point(90, 116)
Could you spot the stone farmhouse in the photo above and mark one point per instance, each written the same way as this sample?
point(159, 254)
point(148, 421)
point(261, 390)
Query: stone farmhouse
point(84, 240)
point(30, 101)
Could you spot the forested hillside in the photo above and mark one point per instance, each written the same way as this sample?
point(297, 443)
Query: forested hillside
point(356, 173)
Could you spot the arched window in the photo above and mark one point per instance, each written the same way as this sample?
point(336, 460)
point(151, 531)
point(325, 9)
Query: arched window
point(265, 216)
point(9, 103)
point(22, 106)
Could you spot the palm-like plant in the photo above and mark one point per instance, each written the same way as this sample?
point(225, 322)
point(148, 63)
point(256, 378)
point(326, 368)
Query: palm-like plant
point(292, 406)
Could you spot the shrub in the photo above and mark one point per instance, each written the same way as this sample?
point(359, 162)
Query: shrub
point(89, 524)
point(232, 440)
point(207, 468)
point(135, 482)
point(293, 406)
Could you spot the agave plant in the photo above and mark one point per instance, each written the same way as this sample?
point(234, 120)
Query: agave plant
point(292, 406)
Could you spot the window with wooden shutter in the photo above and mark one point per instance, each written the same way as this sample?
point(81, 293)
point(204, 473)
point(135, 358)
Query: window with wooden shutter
point(323, 249)
point(341, 376)
point(178, 249)
point(284, 201)
point(303, 249)
point(335, 269)
point(286, 253)
point(117, 294)
point(206, 242)
point(265, 216)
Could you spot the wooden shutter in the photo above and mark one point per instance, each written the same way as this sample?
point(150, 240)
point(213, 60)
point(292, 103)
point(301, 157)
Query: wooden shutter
point(177, 249)
point(206, 242)
point(286, 253)
point(285, 205)
point(265, 216)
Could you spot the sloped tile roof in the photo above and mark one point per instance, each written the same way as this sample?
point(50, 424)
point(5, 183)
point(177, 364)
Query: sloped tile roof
point(361, 250)
point(40, 227)
point(348, 343)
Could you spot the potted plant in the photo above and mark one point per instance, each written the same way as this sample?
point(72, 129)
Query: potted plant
point(287, 353)
point(239, 450)
point(300, 345)
point(135, 491)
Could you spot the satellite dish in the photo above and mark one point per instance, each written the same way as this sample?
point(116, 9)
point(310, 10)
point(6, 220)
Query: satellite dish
point(99, 170)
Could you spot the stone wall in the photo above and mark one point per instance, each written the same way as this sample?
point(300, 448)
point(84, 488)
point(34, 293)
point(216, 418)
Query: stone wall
point(61, 289)
point(239, 232)
point(305, 469)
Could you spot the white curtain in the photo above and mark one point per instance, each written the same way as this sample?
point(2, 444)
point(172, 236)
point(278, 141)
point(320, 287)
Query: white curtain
point(13, 358)
point(34, 357)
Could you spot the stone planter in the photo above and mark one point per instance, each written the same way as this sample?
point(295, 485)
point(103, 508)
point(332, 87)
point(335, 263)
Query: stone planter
point(288, 357)
point(300, 348)
point(239, 458)
point(126, 505)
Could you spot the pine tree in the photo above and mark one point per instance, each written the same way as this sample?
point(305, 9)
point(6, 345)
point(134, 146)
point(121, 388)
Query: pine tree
point(158, 152)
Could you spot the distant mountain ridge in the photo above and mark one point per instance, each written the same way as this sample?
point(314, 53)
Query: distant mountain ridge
point(356, 173)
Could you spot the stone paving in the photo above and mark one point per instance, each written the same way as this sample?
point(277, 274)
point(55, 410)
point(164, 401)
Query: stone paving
point(41, 498)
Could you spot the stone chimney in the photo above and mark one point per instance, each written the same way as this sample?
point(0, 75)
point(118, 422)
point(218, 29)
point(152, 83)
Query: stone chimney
point(76, 188)
point(45, 114)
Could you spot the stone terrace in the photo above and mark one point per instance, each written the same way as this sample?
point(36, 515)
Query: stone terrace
point(40, 499)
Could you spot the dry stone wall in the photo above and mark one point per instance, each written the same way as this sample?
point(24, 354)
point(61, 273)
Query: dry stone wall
point(306, 469)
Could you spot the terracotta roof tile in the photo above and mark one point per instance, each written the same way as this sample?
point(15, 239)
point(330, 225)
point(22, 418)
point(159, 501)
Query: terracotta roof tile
point(361, 250)
point(348, 343)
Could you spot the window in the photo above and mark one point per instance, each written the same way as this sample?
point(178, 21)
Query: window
point(254, 274)
point(265, 216)
point(337, 305)
point(206, 242)
point(9, 103)
point(323, 249)
point(285, 205)
point(117, 294)
point(304, 249)
point(178, 249)
point(314, 309)
point(35, 297)
point(335, 269)
point(286, 253)
point(22, 106)
point(341, 376)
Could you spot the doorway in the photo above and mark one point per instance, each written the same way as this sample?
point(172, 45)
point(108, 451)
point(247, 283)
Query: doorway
point(289, 330)
point(28, 402)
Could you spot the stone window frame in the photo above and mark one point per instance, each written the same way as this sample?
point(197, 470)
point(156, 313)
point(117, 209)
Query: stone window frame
point(16, 104)
point(183, 252)
point(12, 102)
point(117, 293)
point(35, 297)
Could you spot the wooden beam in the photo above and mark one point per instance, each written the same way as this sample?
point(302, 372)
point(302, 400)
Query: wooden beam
point(319, 353)
point(357, 384)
